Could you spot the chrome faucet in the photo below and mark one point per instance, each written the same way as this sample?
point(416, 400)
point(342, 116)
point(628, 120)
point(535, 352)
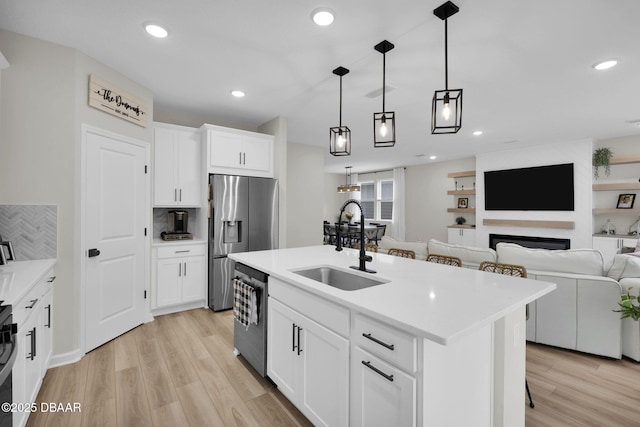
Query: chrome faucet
point(364, 258)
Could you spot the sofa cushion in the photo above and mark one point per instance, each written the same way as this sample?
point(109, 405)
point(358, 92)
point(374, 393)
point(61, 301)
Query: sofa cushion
point(468, 254)
point(387, 242)
point(617, 267)
point(577, 261)
point(631, 267)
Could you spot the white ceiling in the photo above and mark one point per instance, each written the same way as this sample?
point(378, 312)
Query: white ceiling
point(525, 66)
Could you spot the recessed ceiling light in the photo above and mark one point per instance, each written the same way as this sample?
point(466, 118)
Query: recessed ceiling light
point(156, 30)
point(477, 132)
point(238, 93)
point(432, 157)
point(635, 123)
point(605, 65)
point(322, 16)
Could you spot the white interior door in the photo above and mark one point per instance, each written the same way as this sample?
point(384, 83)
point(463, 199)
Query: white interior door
point(116, 204)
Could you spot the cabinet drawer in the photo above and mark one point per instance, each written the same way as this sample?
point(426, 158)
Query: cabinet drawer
point(325, 312)
point(27, 305)
point(180, 251)
point(386, 342)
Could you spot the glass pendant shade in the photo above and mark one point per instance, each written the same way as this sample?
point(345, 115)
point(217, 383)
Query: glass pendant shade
point(446, 111)
point(384, 129)
point(446, 106)
point(384, 123)
point(340, 136)
point(340, 141)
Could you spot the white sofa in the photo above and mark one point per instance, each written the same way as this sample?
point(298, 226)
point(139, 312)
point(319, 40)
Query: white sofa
point(579, 314)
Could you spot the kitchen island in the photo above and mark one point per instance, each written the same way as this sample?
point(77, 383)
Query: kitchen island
point(433, 345)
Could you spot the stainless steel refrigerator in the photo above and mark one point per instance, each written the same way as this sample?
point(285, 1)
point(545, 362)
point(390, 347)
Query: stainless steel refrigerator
point(243, 216)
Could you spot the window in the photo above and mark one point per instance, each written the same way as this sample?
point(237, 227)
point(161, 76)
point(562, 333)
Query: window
point(376, 199)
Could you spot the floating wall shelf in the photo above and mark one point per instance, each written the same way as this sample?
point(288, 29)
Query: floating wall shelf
point(462, 210)
point(461, 174)
point(617, 186)
point(566, 225)
point(463, 192)
point(613, 211)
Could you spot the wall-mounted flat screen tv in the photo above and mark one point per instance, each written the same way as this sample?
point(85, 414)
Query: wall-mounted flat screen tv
point(540, 188)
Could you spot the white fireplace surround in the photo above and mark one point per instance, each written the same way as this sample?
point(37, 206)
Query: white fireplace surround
point(577, 152)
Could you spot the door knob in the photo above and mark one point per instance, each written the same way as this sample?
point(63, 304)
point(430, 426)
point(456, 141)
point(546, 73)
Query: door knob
point(93, 252)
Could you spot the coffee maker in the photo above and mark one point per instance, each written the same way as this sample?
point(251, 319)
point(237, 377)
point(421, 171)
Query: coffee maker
point(177, 225)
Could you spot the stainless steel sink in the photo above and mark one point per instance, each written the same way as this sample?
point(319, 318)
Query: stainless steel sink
point(340, 279)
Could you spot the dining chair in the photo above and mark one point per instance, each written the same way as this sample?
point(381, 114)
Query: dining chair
point(371, 235)
point(371, 247)
point(444, 259)
point(381, 229)
point(515, 271)
point(329, 233)
point(404, 253)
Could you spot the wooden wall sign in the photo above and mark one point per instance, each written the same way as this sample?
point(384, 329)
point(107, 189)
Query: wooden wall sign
point(113, 100)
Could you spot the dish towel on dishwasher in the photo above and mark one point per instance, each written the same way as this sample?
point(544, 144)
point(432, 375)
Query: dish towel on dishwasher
point(245, 307)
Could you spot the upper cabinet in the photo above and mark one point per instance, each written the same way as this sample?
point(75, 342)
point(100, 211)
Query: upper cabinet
point(176, 166)
point(237, 152)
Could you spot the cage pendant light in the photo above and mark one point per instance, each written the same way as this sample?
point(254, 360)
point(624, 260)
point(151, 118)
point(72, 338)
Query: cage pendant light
point(340, 136)
point(384, 123)
point(348, 186)
point(446, 107)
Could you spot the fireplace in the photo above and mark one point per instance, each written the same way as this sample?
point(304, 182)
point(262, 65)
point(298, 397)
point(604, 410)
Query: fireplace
point(530, 242)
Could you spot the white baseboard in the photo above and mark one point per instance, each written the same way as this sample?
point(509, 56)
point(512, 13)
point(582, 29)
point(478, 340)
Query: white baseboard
point(65, 358)
point(178, 307)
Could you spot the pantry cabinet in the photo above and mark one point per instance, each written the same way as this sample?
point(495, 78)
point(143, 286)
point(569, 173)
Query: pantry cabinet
point(176, 171)
point(237, 152)
point(180, 276)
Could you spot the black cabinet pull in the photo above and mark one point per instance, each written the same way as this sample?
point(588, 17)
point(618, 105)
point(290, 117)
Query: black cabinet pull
point(33, 303)
point(299, 346)
point(93, 252)
point(377, 341)
point(51, 279)
point(377, 371)
point(48, 325)
point(293, 337)
point(32, 334)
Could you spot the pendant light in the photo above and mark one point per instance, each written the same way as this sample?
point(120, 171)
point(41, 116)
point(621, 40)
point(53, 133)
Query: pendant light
point(340, 136)
point(384, 123)
point(446, 107)
point(348, 187)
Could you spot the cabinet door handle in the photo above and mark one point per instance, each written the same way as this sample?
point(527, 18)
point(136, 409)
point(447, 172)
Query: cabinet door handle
point(293, 337)
point(33, 303)
point(183, 252)
point(181, 194)
point(51, 279)
point(185, 269)
point(175, 194)
point(179, 269)
point(244, 158)
point(240, 158)
point(377, 341)
point(299, 346)
point(32, 334)
point(377, 371)
point(48, 308)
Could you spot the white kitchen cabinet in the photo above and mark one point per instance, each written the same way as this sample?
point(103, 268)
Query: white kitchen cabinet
point(176, 168)
point(461, 236)
point(310, 365)
point(381, 394)
point(180, 275)
point(32, 315)
point(232, 151)
point(609, 246)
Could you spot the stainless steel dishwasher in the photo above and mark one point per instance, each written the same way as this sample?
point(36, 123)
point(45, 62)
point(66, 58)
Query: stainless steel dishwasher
point(251, 342)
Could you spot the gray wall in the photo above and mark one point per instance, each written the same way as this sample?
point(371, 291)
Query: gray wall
point(44, 102)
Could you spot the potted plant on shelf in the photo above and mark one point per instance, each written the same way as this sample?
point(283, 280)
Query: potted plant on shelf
point(349, 216)
point(601, 157)
point(460, 220)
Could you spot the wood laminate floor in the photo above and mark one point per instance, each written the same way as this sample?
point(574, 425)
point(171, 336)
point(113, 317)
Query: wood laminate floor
point(179, 370)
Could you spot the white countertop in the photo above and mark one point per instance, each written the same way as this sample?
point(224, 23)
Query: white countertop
point(17, 277)
point(157, 242)
point(438, 302)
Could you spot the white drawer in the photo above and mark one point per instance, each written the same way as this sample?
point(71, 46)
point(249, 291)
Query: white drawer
point(179, 251)
point(323, 311)
point(386, 342)
point(27, 305)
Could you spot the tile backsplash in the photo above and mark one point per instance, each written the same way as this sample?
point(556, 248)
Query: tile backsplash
point(32, 229)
